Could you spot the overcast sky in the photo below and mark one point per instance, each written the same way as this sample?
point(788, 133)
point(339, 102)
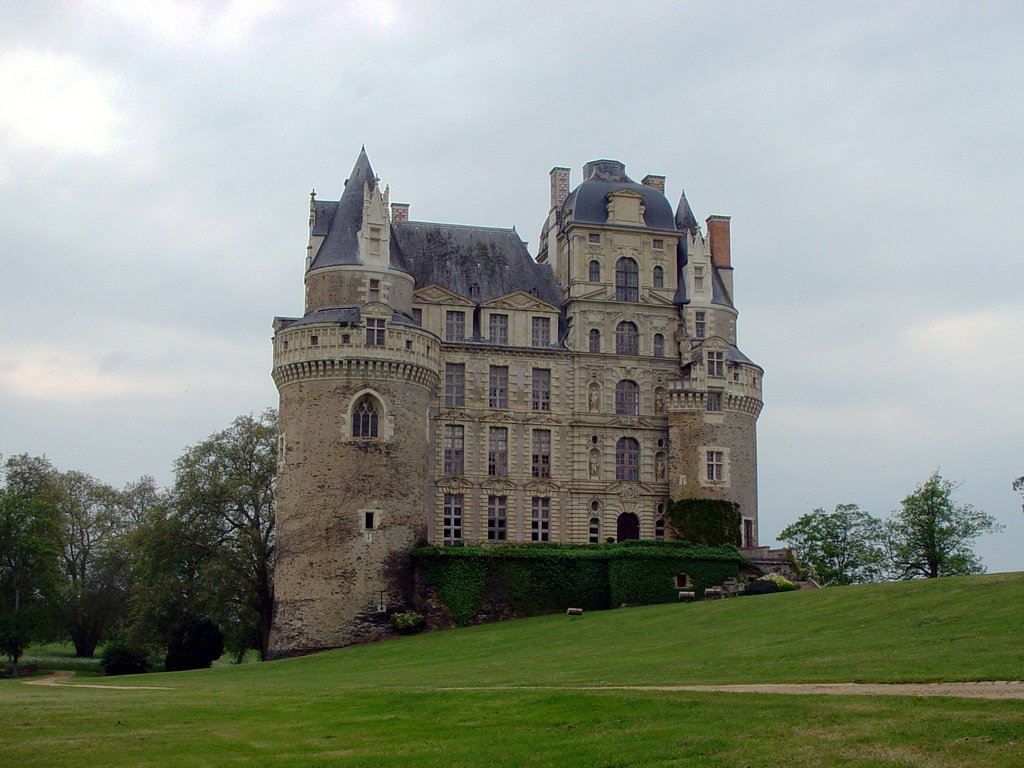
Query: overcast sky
point(156, 160)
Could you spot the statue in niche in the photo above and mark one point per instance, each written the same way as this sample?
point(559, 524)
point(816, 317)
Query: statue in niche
point(659, 467)
point(594, 397)
point(659, 402)
point(595, 464)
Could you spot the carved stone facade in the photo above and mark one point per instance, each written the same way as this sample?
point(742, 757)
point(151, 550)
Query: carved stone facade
point(445, 387)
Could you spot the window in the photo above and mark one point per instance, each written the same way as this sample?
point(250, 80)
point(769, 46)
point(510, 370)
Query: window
point(748, 532)
point(713, 403)
point(497, 387)
point(417, 316)
point(369, 520)
point(375, 332)
point(374, 292)
point(716, 465)
point(454, 453)
point(698, 279)
point(659, 277)
point(700, 324)
point(541, 331)
point(627, 398)
point(364, 418)
point(314, 340)
point(595, 340)
point(627, 459)
point(716, 363)
point(658, 244)
point(594, 274)
point(455, 384)
point(497, 518)
point(454, 326)
point(593, 237)
point(541, 453)
point(498, 331)
point(627, 339)
point(659, 529)
point(346, 338)
point(452, 518)
point(595, 530)
point(626, 280)
point(497, 451)
point(541, 390)
point(540, 518)
point(659, 345)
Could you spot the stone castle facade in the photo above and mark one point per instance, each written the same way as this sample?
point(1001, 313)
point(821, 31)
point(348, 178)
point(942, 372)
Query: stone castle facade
point(445, 387)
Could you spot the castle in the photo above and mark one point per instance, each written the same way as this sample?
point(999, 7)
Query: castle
point(445, 387)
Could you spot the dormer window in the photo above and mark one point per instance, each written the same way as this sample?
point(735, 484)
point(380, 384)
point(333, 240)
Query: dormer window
point(375, 332)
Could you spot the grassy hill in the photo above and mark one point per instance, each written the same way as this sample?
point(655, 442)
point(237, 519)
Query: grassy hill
point(384, 704)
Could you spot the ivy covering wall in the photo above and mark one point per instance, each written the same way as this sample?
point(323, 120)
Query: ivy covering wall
point(709, 521)
point(475, 583)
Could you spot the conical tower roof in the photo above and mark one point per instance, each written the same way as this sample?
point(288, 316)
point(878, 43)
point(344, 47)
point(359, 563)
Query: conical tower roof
point(685, 220)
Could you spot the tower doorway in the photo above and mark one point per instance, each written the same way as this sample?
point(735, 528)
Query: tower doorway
point(628, 527)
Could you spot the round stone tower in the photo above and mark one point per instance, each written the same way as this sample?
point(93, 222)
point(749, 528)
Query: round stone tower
point(356, 376)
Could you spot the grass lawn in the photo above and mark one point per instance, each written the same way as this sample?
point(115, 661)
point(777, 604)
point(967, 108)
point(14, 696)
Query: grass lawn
point(381, 704)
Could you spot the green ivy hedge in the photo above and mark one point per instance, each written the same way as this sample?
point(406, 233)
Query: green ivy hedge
point(709, 521)
point(525, 580)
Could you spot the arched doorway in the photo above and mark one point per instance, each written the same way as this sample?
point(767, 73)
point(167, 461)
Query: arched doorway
point(628, 526)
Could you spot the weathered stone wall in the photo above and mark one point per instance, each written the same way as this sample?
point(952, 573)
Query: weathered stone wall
point(349, 287)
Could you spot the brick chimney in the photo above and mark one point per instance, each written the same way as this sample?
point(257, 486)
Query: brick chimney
point(655, 182)
point(718, 237)
point(400, 211)
point(559, 185)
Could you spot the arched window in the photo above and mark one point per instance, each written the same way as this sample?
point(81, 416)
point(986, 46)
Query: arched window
point(626, 280)
point(627, 459)
point(595, 340)
point(594, 274)
point(627, 398)
point(627, 527)
point(659, 345)
point(626, 339)
point(659, 277)
point(364, 418)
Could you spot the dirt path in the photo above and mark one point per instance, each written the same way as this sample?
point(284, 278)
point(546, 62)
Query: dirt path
point(61, 678)
point(1002, 689)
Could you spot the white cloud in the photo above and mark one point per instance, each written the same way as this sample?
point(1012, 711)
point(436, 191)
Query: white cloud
point(55, 101)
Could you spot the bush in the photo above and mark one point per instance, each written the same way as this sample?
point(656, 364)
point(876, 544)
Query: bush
point(194, 644)
point(408, 622)
point(120, 658)
point(768, 584)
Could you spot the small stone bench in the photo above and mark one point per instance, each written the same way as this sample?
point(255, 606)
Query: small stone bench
point(687, 596)
point(573, 611)
point(714, 593)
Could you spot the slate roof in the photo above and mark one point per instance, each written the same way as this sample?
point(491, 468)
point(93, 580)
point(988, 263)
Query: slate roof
point(719, 295)
point(479, 263)
point(588, 203)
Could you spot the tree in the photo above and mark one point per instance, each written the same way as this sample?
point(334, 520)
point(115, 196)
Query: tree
point(841, 547)
point(1018, 486)
point(930, 536)
point(224, 491)
point(28, 572)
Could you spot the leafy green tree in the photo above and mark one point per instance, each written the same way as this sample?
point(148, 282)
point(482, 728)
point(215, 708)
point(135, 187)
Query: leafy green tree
point(28, 572)
point(841, 547)
point(930, 536)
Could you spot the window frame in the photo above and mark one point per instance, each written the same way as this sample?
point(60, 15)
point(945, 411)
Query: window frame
point(497, 451)
point(497, 328)
point(454, 325)
point(540, 453)
point(452, 517)
point(627, 398)
point(627, 338)
point(497, 386)
point(497, 518)
point(365, 422)
point(540, 518)
point(540, 389)
point(627, 459)
point(454, 449)
point(540, 331)
point(627, 280)
point(455, 384)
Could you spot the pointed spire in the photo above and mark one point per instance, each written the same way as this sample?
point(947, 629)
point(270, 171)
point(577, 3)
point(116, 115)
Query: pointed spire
point(362, 172)
point(685, 219)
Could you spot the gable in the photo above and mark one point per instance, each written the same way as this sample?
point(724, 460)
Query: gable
point(520, 300)
point(435, 294)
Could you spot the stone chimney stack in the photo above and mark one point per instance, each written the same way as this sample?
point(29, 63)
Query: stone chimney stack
point(400, 211)
point(718, 236)
point(655, 182)
point(559, 185)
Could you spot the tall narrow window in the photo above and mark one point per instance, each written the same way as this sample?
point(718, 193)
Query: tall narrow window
point(700, 324)
point(541, 328)
point(498, 331)
point(714, 402)
point(627, 398)
point(595, 530)
point(497, 387)
point(716, 465)
point(627, 339)
point(659, 277)
point(364, 418)
point(452, 527)
point(497, 451)
point(455, 384)
point(716, 363)
point(659, 529)
point(541, 389)
point(595, 340)
point(454, 449)
point(659, 345)
point(698, 279)
point(748, 532)
point(594, 274)
point(540, 521)
point(627, 283)
point(454, 326)
point(417, 316)
point(627, 459)
point(540, 456)
point(497, 518)
point(375, 332)
point(374, 292)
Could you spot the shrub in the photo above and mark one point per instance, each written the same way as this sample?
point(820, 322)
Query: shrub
point(194, 644)
point(120, 658)
point(407, 622)
point(768, 584)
